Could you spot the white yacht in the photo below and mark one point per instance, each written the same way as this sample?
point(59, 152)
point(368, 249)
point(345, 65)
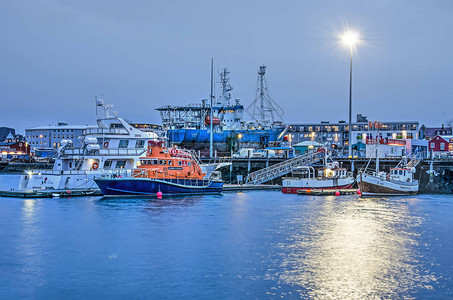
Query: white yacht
point(114, 146)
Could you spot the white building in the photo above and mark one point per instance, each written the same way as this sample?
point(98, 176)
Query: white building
point(43, 137)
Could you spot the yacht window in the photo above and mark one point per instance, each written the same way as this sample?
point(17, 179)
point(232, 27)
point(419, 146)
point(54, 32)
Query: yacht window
point(170, 162)
point(179, 163)
point(139, 144)
point(401, 172)
point(160, 162)
point(404, 172)
point(143, 162)
point(120, 164)
point(164, 162)
point(123, 144)
point(154, 162)
point(107, 164)
point(189, 163)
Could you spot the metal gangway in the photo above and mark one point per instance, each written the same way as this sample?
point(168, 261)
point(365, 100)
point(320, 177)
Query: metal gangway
point(411, 161)
point(283, 168)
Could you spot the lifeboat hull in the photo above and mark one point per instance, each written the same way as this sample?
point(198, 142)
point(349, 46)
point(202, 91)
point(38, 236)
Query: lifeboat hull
point(146, 186)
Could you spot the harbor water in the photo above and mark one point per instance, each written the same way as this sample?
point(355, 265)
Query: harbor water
point(257, 244)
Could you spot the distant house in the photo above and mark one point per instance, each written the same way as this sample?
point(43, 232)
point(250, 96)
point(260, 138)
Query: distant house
point(441, 143)
point(14, 145)
point(428, 133)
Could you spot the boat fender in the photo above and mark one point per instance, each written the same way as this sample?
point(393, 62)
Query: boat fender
point(408, 180)
point(95, 166)
point(106, 144)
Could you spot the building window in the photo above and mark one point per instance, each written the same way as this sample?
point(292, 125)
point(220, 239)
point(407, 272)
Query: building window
point(123, 144)
point(432, 146)
point(442, 146)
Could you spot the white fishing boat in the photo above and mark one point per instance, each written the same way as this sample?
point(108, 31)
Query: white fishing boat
point(113, 146)
point(399, 181)
point(330, 176)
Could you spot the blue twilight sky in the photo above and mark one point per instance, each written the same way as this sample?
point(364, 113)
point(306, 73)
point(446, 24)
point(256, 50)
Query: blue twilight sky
point(57, 55)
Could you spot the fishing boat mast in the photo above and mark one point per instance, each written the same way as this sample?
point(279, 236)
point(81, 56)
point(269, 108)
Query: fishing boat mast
point(211, 135)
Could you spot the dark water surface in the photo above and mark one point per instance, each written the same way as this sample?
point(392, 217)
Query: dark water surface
point(236, 246)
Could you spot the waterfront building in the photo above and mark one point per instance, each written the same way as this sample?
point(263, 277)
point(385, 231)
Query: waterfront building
point(14, 146)
point(428, 133)
point(441, 143)
point(45, 137)
point(336, 135)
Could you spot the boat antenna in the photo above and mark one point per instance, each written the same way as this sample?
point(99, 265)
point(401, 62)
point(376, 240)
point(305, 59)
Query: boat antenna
point(211, 97)
point(96, 104)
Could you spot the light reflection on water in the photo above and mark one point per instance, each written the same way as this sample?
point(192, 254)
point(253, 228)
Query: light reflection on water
point(356, 250)
point(235, 245)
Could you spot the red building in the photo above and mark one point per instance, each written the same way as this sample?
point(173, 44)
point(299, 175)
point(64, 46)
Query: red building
point(15, 145)
point(441, 143)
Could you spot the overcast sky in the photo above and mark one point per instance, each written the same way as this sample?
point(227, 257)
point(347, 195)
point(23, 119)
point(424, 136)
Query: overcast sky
point(57, 55)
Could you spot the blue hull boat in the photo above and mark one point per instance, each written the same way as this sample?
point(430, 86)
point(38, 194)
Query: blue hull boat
point(148, 186)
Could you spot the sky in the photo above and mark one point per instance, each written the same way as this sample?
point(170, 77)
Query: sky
point(56, 56)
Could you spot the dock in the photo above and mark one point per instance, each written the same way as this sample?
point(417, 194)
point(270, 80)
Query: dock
point(50, 193)
point(251, 187)
point(331, 192)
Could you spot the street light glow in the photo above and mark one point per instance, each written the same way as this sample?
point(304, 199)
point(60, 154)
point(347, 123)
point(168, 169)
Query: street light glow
point(350, 38)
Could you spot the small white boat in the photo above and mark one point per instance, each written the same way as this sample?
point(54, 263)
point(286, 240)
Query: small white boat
point(331, 176)
point(400, 181)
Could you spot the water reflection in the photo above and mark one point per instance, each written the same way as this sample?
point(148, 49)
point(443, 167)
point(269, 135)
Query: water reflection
point(30, 242)
point(354, 249)
point(152, 203)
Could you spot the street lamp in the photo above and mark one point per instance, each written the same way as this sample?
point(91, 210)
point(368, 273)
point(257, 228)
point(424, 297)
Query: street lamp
point(350, 39)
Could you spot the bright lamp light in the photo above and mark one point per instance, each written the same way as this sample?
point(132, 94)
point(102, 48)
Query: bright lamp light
point(350, 38)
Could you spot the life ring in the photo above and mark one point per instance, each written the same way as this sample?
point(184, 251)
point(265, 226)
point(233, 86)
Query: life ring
point(174, 151)
point(95, 166)
point(106, 144)
point(408, 180)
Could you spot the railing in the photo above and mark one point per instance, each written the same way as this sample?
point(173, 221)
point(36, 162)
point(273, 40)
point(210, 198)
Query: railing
point(412, 160)
point(58, 172)
point(152, 174)
point(283, 168)
point(90, 131)
point(105, 152)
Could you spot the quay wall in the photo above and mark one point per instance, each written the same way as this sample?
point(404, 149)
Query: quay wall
point(435, 176)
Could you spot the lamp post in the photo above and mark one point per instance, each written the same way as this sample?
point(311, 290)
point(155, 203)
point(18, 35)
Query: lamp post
point(350, 39)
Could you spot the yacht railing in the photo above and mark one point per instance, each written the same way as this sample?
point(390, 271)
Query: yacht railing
point(57, 172)
point(90, 131)
point(105, 152)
